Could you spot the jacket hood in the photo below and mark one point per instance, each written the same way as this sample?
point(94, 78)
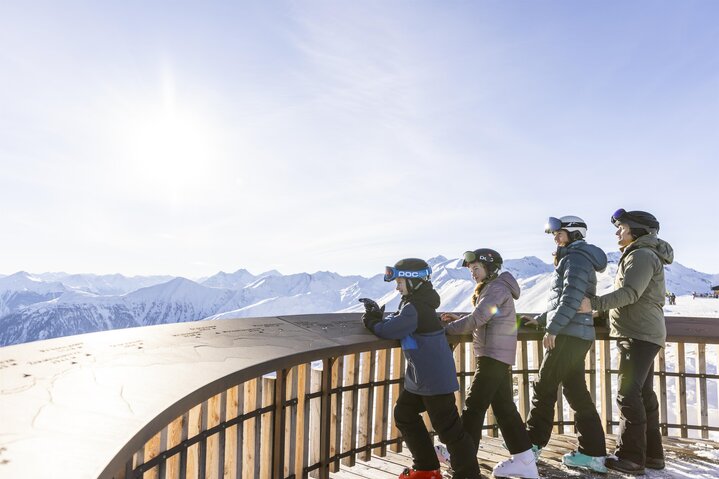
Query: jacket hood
point(594, 254)
point(509, 282)
point(664, 250)
point(425, 294)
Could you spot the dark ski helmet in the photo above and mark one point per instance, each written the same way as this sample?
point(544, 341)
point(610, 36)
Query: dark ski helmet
point(414, 270)
point(640, 220)
point(491, 260)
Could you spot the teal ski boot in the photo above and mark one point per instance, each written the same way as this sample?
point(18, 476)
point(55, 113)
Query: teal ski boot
point(582, 461)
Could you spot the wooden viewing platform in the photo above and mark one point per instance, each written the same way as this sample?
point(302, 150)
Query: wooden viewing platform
point(290, 397)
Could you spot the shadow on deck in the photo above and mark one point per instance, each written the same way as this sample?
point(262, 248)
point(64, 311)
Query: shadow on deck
point(685, 458)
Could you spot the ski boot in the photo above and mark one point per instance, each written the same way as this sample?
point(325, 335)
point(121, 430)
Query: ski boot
point(535, 449)
point(522, 465)
point(624, 465)
point(412, 473)
point(582, 461)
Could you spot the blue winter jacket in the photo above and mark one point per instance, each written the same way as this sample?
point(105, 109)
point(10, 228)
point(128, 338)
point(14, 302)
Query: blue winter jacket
point(430, 364)
point(574, 278)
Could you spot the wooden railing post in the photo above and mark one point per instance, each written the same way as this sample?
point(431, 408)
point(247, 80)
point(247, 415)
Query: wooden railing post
point(381, 403)
point(303, 419)
point(523, 378)
point(278, 425)
point(682, 399)
point(366, 406)
point(336, 412)
point(351, 401)
point(704, 405)
point(397, 368)
point(250, 458)
point(325, 417)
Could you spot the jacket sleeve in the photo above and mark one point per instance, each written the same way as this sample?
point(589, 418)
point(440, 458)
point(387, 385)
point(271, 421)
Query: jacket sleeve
point(541, 320)
point(639, 269)
point(574, 284)
point(485, 310)
point(398, 325)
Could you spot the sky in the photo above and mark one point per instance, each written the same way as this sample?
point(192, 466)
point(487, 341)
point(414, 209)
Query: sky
point(186, 138)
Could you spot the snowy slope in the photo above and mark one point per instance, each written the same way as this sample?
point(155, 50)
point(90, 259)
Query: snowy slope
point(22, 289)
point(105, 284)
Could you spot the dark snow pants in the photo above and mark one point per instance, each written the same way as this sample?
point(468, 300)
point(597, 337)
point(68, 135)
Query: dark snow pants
point(445, 420)
point(565, 365)
point(492, 385)
point(639, 435)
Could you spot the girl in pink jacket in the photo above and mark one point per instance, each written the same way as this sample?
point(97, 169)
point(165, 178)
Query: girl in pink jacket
point(493, 327)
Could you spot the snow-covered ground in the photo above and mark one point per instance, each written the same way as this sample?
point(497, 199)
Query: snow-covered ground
point(693, 307)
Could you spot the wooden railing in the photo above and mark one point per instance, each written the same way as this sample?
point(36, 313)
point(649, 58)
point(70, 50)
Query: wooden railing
point(305, 419)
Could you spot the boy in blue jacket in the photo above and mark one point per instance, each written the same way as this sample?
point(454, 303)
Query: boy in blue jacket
point(430, 379)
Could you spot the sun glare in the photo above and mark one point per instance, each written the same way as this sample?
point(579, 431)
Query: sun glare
point(170, 153)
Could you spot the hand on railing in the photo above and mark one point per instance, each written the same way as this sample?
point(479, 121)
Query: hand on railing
point(373, 313)
point(529, 321)
point(448, 317)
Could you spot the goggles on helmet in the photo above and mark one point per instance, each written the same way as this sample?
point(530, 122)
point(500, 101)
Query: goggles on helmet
point(555, 224)
point(391, 273)
point(618, 215)
point(472, 257)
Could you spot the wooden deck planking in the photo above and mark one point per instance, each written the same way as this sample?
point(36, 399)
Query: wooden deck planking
point(683, 460)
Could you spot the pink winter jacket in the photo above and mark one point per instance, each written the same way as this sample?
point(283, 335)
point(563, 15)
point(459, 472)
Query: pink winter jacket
point(493, 322)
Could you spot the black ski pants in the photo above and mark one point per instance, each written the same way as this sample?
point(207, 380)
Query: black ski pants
point(444, 417)
point(492, 386)
point(565, 365)
point(639, 435)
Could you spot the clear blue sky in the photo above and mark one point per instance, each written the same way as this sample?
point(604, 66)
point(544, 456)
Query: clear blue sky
point(190, 137)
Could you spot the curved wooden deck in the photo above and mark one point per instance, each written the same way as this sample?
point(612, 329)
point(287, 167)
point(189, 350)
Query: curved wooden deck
point(690, 458)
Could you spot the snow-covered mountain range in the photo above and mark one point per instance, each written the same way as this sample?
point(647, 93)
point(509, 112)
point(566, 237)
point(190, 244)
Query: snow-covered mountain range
point(50, 305)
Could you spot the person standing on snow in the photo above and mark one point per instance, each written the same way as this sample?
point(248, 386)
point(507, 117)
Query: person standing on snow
point(636, 319)
point(431, 377)
point(569, 336)
point(494, 331)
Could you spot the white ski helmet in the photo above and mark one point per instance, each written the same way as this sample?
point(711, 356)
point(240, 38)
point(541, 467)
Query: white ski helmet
point(574, 225)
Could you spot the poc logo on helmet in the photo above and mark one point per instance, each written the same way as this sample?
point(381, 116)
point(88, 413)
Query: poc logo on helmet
point(410, 274)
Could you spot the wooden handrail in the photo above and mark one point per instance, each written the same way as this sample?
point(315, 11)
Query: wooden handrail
point(195, 399)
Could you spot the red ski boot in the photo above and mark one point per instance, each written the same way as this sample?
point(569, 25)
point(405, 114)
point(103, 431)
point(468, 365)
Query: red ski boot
point(410, 473)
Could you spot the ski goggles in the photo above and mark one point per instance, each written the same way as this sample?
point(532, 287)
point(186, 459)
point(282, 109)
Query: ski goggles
point(391, 273)
point(618, 216)
point(555, 224)
point(552, 225)
point(472, 257)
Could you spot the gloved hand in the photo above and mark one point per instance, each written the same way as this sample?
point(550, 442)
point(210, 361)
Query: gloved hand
point(373, 313)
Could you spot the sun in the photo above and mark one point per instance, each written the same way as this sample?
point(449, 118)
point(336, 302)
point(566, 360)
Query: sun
point(170, 152)
point(167, 143)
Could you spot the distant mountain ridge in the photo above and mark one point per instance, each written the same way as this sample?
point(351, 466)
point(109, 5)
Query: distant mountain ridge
point(41, 306)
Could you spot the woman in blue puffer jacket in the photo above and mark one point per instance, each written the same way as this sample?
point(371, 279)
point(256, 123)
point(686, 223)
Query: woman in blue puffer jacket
point(569, 336)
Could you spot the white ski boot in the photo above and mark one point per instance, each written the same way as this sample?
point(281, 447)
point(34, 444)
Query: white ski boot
point(523, 465)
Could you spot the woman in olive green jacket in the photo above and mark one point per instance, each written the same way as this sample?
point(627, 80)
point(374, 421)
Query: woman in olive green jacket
point(636, 319)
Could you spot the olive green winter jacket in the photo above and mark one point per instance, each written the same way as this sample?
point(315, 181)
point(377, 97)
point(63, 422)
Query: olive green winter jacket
point(635, 305)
